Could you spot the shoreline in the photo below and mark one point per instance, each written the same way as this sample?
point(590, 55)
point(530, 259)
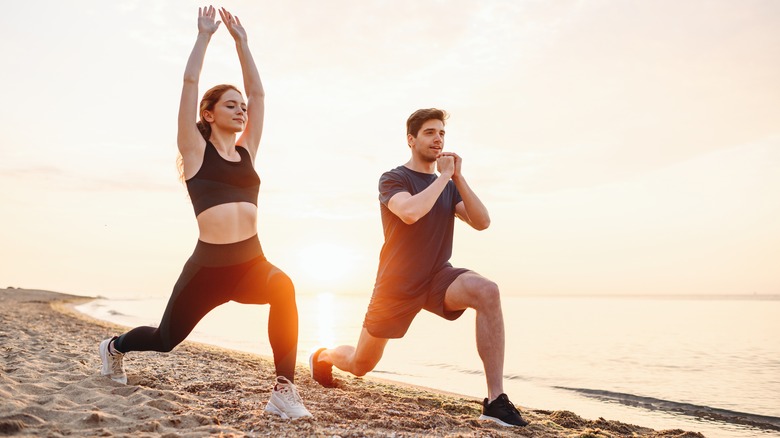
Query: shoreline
point(52, 381)
point(68, 307)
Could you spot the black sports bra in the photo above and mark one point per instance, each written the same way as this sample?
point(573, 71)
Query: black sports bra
point(220, 181)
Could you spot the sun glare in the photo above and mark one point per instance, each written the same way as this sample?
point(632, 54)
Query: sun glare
point(327, 264)
point(325, 319)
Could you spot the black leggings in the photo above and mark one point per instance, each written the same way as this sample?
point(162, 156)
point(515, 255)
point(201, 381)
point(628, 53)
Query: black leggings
point(214, 275)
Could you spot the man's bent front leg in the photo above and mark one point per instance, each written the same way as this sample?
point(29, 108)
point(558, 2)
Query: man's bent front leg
point(356, 360)
point(477, 292)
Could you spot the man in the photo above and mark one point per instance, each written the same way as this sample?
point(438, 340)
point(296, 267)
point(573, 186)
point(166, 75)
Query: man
point(418, 215)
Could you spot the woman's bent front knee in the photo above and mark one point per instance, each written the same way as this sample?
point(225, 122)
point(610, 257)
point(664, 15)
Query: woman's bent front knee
point(281, 289)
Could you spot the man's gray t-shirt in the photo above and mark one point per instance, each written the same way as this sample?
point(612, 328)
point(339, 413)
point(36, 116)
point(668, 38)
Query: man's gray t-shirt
point(412, 253)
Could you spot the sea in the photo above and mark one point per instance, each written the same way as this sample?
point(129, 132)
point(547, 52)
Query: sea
point(709, 364)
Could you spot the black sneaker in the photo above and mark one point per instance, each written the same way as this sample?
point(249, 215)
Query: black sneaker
point(502, 411)
point(322, 373)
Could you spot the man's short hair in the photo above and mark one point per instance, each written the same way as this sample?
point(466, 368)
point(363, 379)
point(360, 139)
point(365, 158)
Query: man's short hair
point(419, 117)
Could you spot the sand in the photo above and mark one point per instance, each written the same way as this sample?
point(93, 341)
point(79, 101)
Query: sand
point(50, 385)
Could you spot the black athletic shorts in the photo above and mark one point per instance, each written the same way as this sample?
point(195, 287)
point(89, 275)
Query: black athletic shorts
point(389, 316)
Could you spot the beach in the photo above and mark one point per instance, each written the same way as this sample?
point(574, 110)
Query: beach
point(50, 385)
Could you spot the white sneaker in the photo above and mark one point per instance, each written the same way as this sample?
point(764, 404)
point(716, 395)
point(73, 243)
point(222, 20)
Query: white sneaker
point(285, 401)
point(112, 363)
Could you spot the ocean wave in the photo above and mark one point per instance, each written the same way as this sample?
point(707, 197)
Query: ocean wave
point(764, 422)
point(457, 369)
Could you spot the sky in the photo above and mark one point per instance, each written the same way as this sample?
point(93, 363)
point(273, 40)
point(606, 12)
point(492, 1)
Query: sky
point(621, 147)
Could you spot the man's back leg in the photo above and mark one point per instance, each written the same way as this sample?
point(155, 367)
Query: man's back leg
point(356, 360)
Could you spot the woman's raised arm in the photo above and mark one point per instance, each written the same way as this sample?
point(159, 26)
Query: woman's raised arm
point(189, 138)
point(253, 87)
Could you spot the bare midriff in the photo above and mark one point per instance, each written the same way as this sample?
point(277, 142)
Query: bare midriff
point(228, 223)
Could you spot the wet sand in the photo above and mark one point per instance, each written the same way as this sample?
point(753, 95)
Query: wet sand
point(50, 385)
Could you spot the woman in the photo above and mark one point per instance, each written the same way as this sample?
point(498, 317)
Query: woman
point(228, 262)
